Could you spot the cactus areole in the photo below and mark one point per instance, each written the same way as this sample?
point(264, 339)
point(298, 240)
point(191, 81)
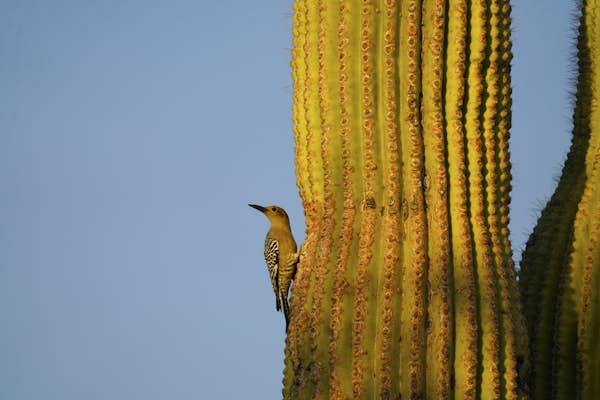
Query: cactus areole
point(406, 286)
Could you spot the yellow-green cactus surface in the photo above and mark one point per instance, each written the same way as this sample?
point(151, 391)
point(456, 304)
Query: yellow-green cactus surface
point(406, 286)
point(560, 269)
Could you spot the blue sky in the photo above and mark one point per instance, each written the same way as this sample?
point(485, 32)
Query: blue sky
point(132, 136)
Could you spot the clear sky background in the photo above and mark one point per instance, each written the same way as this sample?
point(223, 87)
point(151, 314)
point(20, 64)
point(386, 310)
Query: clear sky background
point(132, 136)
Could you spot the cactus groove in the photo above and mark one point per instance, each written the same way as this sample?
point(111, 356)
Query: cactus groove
point(406, 286)
point(560, 268)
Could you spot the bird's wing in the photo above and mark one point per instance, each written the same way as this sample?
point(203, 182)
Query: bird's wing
point(272, 260)
point(293, 259)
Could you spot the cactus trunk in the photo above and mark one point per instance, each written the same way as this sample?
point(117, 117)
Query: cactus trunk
point(405, 286)
point(560, 269)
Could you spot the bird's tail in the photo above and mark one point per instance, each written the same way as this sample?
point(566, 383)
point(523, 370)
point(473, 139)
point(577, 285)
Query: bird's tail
point(286, 310)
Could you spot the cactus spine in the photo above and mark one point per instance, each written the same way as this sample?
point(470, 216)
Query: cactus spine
point(560, 268)
point(405, 286)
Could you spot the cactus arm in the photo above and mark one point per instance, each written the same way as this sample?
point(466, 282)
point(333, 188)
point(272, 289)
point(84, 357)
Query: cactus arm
point(548, 302)
point(588, 345)
point(551, 294)
point(584, 266)
point(548, 263)
point(592, 369)
point(566, 343)
point(563, 253)
point(593, 339)
point(588, 341)
point(544, 264)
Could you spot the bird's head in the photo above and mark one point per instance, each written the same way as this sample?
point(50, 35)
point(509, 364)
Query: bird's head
point(276, 215)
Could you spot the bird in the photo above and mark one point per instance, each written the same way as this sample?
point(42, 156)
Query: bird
point(281, 256)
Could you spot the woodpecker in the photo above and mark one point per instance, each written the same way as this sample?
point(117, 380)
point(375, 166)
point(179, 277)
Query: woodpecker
point(281, 256)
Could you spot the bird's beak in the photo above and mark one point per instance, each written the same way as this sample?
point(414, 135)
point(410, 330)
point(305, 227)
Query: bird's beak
point(259, 208)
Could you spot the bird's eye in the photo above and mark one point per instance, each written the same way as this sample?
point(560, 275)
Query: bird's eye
point(274, 208)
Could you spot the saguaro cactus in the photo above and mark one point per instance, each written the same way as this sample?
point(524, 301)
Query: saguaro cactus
point(560, 269)
point(406, 286)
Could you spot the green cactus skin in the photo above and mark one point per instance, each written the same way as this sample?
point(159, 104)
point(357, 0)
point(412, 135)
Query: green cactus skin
point(405, 286)
point(560, 268)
